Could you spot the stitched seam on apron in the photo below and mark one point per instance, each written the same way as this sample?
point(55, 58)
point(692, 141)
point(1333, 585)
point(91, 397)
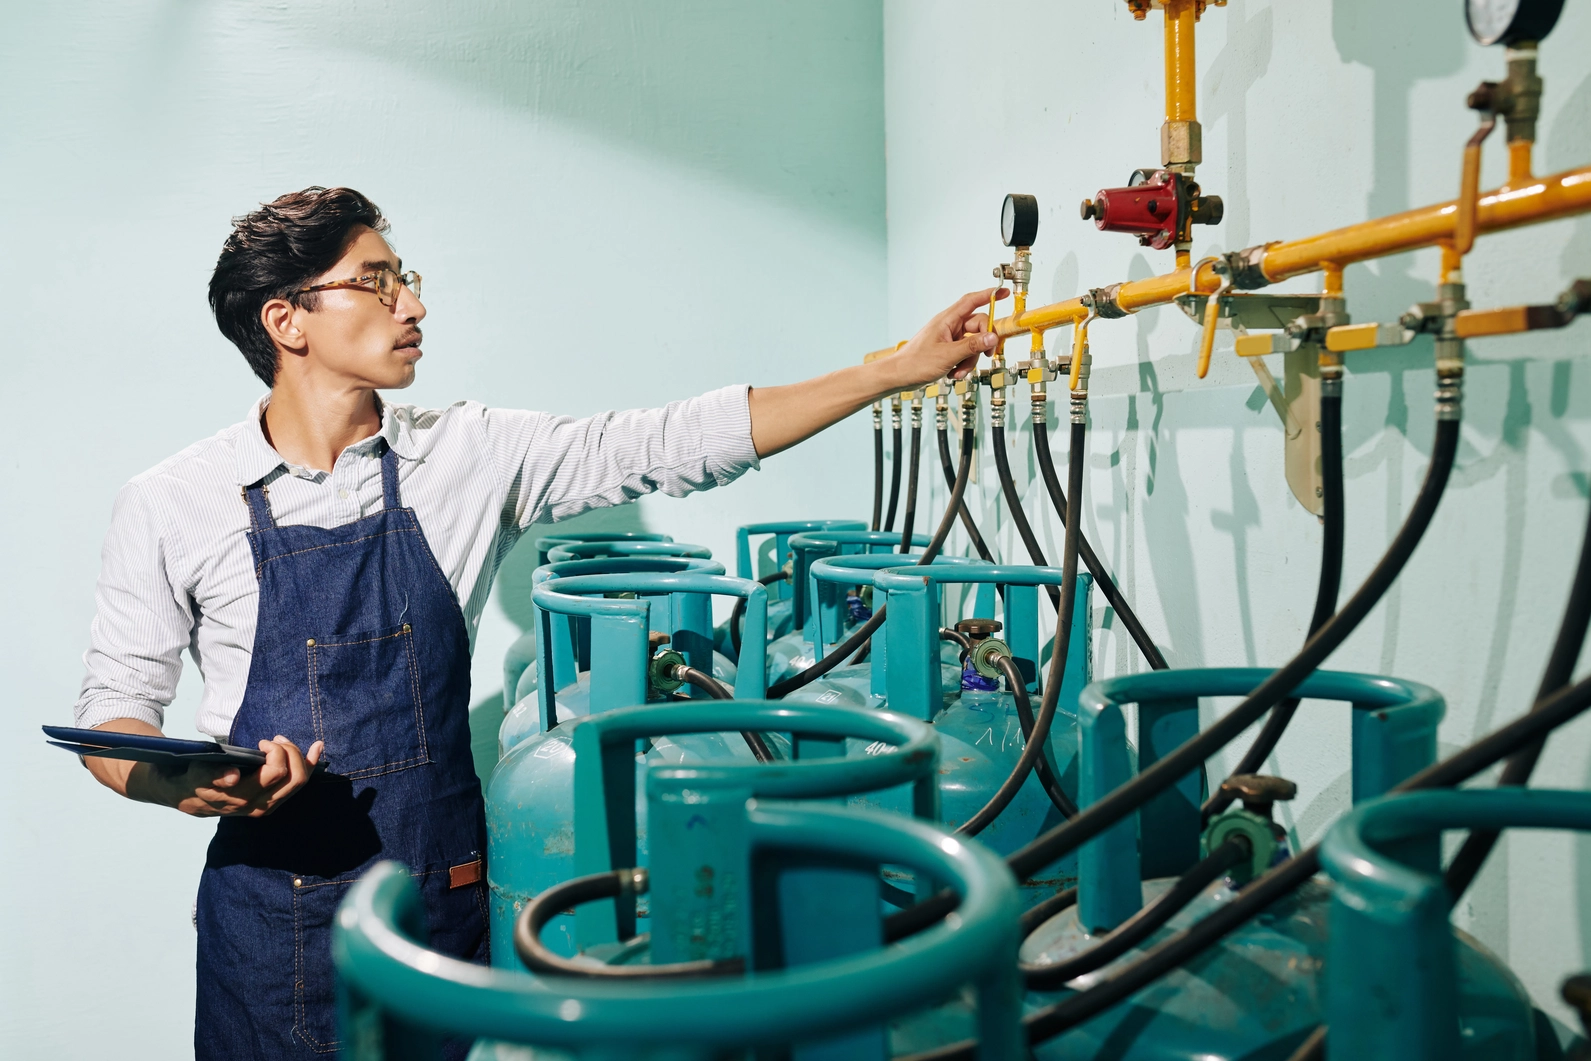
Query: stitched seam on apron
point(333, 545)
point(300, 1022)
point(414, 683)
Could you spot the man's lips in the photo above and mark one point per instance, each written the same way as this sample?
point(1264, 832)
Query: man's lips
point(411, 342)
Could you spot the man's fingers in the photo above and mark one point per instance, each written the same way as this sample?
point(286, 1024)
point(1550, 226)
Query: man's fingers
point(978, 322)
point(276, 768)
point(963, 307)
point(315, 751)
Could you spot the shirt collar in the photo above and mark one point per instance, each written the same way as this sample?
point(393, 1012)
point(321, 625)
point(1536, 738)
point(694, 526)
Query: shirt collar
point(257, 458)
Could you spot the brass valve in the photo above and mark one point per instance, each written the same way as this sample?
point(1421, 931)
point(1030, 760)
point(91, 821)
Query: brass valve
point(662, 668)
point(1252, 821)
point(977, 628)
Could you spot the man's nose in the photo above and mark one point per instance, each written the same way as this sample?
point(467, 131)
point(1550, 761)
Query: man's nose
point(408, 308)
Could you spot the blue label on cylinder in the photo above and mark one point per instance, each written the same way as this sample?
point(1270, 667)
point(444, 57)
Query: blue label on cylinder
point(971, 679)
point(856, 610)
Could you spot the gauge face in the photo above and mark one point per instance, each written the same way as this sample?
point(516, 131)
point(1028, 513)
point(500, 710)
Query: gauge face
point(1511, 21)
point(1019, 220)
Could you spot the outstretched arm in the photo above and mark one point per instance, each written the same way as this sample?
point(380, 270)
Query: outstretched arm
point(948, 345)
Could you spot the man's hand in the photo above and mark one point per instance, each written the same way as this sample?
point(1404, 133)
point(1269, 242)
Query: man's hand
point(948, 345)
point(210, 790)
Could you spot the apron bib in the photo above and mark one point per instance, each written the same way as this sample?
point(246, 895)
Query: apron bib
point(361, 644)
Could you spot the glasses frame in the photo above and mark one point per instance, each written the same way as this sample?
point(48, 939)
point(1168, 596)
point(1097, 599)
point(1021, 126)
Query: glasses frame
point(387, 297)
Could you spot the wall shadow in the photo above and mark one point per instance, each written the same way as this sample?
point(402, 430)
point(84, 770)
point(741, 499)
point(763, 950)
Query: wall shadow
point(783, 99)
point(513, 575)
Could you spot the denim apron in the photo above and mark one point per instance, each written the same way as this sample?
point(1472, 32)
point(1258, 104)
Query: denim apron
point(361, 644)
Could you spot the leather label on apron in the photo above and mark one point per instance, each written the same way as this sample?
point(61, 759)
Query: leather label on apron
point(468, 873)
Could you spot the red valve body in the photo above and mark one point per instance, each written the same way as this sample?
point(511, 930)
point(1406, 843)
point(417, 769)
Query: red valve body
point(1149, 210)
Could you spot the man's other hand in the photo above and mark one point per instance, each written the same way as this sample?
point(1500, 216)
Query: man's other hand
point(210, 790)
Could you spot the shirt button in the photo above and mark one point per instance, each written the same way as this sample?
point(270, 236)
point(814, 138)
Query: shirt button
point(343, 494)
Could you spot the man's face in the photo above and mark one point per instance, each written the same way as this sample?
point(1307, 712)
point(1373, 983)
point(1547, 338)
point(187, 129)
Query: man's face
point(351, 334)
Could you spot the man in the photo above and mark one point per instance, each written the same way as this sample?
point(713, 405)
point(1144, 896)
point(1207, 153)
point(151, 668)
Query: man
point(326, 561)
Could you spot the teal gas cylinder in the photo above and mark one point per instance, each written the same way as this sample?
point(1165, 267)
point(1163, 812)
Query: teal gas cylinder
point(571, 648)
point(398, 998)
point(717, 892)
point(780, 593)
point(1258, 992)
point(548, 542)
point(529, 817)
point(593, 550)
point(980, 734)
point(1400, 982)
point(522, 653)
point(844, 598)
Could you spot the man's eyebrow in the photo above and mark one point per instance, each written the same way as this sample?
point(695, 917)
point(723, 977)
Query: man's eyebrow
point(377, 264)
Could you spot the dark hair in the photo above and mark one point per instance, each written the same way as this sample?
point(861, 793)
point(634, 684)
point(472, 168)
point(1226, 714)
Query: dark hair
point(273, 252)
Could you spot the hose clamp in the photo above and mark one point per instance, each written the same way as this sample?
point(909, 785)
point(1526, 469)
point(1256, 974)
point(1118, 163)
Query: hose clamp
point(662, 671)
point(985, 652)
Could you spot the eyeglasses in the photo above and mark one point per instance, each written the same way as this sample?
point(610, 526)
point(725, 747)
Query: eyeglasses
point(385, 283)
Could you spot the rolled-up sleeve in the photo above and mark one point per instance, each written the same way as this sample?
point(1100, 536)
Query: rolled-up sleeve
point(556, 467)
point(141, 624)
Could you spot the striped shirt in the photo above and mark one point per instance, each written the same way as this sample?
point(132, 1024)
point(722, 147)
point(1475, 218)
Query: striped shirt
point(176, 572)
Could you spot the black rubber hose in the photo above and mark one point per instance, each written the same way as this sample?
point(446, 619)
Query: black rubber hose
point(1013, 502)
point(1560, 669)
point(739, 612)
point(719, 691)
point(1036, 915)
point(894, 476)
point(538, 958)
point(1145, 922)
point(878, 474)
point(1040, 736)
point(1561, 707)
point(1167, 771)
point(909, 520)
point(1190, 755)
point(978, 544)
point(1325, 591)
point(1107, 585)
point(861, 634)
point(1024, 715)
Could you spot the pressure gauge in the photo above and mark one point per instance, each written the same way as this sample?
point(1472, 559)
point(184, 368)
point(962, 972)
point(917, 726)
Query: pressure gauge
point(1511, 21)
point(1019, 221)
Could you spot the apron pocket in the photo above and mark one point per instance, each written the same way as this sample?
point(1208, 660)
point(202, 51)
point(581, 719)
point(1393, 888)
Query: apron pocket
point(314, 977)
point(365, 701)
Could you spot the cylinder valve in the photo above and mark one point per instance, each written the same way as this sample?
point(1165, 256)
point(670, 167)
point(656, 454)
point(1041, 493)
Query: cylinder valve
point(1157, 205)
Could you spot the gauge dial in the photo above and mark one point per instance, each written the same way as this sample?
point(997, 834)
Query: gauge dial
point(1019, 220)
point(1511, 21)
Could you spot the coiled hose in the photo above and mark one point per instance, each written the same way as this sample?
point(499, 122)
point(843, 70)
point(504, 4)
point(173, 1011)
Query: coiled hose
point(1561, 707)
point(719, 691)
point(863, 633)
point(878, 471)
point(978, 544)
point(909, 520)
point(738, 615)
point(1038, 734)
point(1188, 756)
point(1325, 592)
point(1106, 584)
point(894, 476)
point(1013, 503)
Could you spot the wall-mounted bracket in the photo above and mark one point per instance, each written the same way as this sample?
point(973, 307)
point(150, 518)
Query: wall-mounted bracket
point(1296, 398)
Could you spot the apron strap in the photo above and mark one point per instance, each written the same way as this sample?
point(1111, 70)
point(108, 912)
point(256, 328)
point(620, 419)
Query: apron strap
point(389, 478)
point(257, 497)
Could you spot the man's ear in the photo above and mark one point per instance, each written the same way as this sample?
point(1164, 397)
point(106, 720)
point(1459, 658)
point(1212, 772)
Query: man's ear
point(280, 318)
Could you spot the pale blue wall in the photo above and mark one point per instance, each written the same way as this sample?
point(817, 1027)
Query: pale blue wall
point(614, 204)
point(1315, 116)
